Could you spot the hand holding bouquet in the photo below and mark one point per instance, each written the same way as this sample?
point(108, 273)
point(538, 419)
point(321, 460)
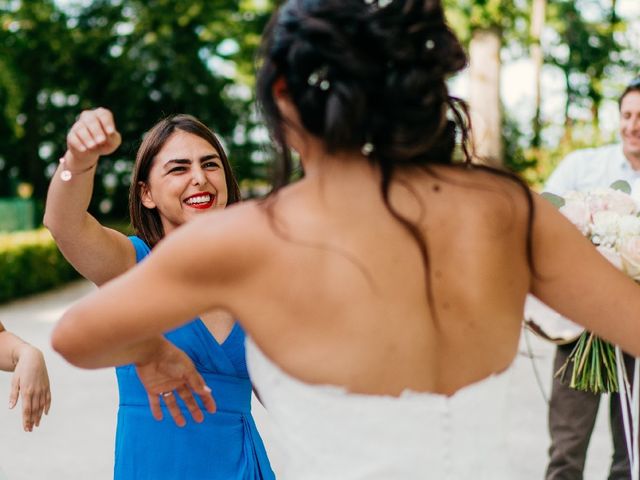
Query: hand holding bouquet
point(609, 217)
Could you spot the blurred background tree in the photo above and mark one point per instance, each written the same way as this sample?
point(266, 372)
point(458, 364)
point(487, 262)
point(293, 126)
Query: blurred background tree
point(575, 56)
point(141, 59)
point(486, 26)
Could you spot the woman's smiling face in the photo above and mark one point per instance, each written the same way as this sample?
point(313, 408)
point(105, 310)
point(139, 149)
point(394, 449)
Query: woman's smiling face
point(187, 178)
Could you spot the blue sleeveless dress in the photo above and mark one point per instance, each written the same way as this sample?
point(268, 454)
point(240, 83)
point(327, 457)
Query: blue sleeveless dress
point(225, 446)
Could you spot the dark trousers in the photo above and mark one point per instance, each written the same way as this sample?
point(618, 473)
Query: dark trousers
point(572, 416)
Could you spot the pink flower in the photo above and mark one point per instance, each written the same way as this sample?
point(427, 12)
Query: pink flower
point(577, 212)
point(609, 200)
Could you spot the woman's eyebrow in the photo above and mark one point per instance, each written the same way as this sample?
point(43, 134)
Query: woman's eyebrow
point(187, 161)
point(209, 157)
point(179, 161)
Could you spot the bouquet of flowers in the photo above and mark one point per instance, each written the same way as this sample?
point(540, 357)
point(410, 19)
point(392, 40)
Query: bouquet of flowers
point(610, 218)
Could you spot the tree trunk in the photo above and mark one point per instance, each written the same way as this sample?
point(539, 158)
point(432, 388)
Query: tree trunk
point(567, 138)
point(537, 24)
point(484, 98)
point(595, 118)
point(31, 166)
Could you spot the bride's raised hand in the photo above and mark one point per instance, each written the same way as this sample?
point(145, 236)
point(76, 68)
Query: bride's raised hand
point(94, 134)
point(168, 372)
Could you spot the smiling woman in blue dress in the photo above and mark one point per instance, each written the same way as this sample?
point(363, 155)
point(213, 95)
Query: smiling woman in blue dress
point(181, 171)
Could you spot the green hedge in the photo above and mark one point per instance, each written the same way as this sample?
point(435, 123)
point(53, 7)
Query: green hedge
point(30, 262)
point(17, 214)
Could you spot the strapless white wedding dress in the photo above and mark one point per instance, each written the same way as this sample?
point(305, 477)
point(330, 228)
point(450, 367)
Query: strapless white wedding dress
point(325, 433)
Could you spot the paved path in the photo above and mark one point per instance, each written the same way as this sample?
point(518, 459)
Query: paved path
point(75, 442)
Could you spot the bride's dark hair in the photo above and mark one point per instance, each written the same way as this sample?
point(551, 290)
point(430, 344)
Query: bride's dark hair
point(369, 73)
point(386, 69)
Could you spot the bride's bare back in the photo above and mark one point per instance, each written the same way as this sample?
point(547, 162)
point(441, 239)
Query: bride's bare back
point(344, 299)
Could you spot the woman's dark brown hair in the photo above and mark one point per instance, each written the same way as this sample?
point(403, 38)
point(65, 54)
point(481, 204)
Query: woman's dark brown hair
point(146, 222)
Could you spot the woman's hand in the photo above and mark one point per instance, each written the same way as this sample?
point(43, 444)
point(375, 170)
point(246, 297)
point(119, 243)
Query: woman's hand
point(94, 134)
point(30, 381)
point(168, 371)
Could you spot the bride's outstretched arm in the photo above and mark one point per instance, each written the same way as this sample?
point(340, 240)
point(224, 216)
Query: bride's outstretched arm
point(204, 265)
point(111, 325)
point(122, 322)
point(577, 281)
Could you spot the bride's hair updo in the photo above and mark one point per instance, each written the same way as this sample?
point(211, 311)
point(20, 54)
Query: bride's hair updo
point(365, 75)
point(370, 76)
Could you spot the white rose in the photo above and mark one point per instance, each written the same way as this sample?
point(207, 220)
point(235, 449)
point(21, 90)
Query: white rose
point(629, 249)
point(604, 229)
point(635, 192)
point(629, 226)
point(578, 214)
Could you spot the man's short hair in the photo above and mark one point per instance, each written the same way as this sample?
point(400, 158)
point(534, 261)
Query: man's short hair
point(633, 86)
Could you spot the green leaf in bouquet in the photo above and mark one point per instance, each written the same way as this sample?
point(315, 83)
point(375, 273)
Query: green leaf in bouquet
point(621, 185)
point(556, 200)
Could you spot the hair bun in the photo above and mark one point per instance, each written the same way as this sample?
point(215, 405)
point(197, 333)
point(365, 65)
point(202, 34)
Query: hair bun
point(363, 71)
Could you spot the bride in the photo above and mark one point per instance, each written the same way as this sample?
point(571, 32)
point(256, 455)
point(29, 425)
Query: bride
point(383, 291)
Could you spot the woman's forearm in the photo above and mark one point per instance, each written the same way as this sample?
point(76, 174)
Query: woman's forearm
point(67, 202)
point(94, 134)
point(97, 252)
point(10, 349)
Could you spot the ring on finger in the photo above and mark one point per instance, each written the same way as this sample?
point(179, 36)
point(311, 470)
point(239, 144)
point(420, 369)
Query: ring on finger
point(166, 394)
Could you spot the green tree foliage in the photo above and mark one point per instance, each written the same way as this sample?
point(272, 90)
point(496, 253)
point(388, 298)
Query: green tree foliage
point(586, 40)
point(141, 59)
point(33, 58)
point(507, 16)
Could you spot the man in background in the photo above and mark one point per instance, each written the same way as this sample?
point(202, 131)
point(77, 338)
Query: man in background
point(572, 413)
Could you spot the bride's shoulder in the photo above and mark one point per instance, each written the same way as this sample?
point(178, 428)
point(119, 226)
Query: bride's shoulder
point(481, 188)
point(481, 175)
point(240, 230)
point(234, 221)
